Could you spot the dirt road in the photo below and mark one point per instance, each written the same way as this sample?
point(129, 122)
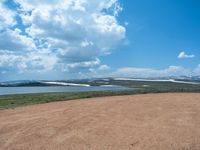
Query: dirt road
point(138, 122)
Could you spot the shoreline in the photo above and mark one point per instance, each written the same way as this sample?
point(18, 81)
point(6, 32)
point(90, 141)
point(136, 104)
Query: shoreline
point(22, 100)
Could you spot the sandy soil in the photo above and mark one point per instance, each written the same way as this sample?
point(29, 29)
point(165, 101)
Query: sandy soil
point(139, 122)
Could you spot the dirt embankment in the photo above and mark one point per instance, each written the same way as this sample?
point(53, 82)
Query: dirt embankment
point(138, 122)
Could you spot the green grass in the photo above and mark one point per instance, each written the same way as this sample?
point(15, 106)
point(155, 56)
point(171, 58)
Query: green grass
point(12, 101)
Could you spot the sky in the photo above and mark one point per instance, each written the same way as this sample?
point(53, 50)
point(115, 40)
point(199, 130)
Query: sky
point(69, 39)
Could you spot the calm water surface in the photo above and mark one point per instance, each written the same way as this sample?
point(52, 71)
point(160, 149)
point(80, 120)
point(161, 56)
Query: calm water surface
point(49, 89)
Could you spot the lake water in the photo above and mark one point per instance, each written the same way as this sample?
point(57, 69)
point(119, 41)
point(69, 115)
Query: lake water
point(49, 89)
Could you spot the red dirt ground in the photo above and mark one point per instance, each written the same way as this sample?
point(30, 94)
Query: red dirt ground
point(138, 122)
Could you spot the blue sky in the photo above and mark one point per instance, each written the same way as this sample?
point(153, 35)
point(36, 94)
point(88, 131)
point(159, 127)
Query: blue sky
point(158, 31)
point(81, 38)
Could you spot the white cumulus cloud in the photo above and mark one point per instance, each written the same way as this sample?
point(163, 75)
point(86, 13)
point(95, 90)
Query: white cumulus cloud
point(197, 70)
point(6, 17)
point(64, 35)
point(152, 73)
point(184, 55)
point(31, 62)
point(104, 67)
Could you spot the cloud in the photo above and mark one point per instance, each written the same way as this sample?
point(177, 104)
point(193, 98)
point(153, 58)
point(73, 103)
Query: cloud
point(126, 23)
point(6, 17)
point(184, 55)
point(83, 66)
point(12, 40)
point(104, 67)
point(32, 62)
point(61, 35)
point(152, 73)
point(197, 70)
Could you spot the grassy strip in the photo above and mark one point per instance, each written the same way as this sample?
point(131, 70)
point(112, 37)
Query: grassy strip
point(12, 101)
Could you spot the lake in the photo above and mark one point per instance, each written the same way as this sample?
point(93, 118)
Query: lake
point(57, 89)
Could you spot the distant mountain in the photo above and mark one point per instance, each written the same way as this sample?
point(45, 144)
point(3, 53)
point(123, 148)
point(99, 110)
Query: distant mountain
point(38, 83)
point(187, 78)
point(98, 81)
point(196, 78)
point(21, 83)
point(183, 81)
